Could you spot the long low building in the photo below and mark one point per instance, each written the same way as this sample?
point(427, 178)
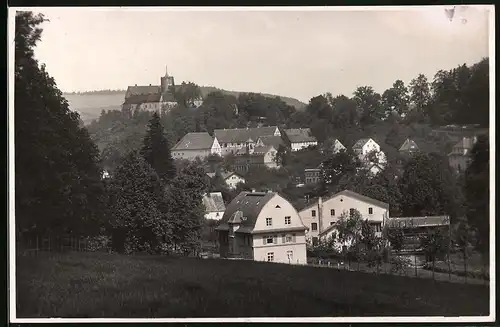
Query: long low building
point(196, 145)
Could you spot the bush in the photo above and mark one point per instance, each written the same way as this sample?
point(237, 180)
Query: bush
point(97, 243)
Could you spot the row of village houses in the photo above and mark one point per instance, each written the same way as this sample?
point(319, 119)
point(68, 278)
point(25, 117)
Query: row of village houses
point(264, 226)
point(259, 146)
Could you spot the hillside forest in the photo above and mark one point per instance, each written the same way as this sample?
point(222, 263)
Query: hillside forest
point(153, 203)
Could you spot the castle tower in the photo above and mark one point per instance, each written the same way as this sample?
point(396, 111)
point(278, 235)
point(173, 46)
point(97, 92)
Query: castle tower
point(167, 81)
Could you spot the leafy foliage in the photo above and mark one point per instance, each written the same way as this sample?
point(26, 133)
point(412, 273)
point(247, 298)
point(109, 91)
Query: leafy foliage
point(477, 193)
point(136, 222)
point(58, 186)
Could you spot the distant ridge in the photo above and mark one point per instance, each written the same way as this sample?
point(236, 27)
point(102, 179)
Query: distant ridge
point(90, 103)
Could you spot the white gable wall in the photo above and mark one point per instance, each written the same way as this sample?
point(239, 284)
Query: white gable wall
point(340, 204)
point(233, 180)
point(215, 215)
point(281, 232)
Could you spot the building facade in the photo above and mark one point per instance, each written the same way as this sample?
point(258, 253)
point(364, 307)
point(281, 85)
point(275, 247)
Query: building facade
point(196, 145)
point(157, 98)
point(231, 179)
point(262, 227)
point(459, 158)
point(235, 139)
point(300, 138)
point(255, 157)
point(312, 176)
point(324, 213)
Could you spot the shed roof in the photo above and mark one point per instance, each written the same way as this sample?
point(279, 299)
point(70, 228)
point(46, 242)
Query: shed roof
point(195, 141)
point(421, 221)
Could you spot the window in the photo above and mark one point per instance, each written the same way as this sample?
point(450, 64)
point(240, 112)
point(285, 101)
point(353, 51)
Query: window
point(288, 220)
point(314, 226)
point(289, 255)
point(283, 238)
point(370, 211)
point(313, 213)
point(269, 221)
point(288, 239)
point(332, 212)
point(269, 240)
point(270, 256)
point(332, 222)
point(351, 212)
point(217, 214)
point(315, 240)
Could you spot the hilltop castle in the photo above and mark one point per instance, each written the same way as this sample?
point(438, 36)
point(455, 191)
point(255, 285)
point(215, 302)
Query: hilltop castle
point(153, 97)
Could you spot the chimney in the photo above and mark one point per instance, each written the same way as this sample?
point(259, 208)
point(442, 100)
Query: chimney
point(149, 84)
point(320, 214)
point(253, 190)
point(135, 84)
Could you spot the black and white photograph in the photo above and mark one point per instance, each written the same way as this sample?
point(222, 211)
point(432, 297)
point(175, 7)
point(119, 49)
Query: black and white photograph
point(251, 164)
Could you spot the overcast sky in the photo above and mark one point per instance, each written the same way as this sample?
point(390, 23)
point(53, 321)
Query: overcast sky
point(291, 53)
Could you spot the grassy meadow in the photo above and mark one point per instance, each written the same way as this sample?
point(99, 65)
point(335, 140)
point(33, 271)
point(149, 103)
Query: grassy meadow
point(98, 285)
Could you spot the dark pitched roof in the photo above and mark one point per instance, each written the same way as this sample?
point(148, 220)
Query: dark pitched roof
point(409, 145)
point(275, 141)
point(298, 138)
point(194, 141)
point(143, 98)
point(239, 135)
point(360, 143)
point(352, 195)
point(142, 90)
point(214, 202)
point(425, 221)
point(244, 209)
point(298, 131)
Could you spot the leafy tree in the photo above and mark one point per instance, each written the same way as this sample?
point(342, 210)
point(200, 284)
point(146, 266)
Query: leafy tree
point(137, 224)
point(58, 186)
point(187, 93)
point(156, 150)
point(369, 104)
point(434, 243)
point(429, 187)
point(183, 197)
point(345, 112)
point(396, 99)
point(338, 165)
point(420, 93)
point(395, 236)
point(477, 181)
point(349, 227)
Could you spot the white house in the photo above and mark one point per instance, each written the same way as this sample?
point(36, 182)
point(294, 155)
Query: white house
point(323, 213)
point(459, 158)
point(234, 139)
point(409, 146)
point(263, 227)
point(231, 179)
point(300, 138)
point(214, 205)
point(196, 145)
point(368, 151)
point(337, 146)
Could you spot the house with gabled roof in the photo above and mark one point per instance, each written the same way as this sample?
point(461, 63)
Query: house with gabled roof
point(153, 97)
point(299, 138)
point(369, 153)
point(257, 156)
point(214, 205)
point(275, 141)
point(459, 158)
point(323, 213)
point(262, 227)
point(195, 145)
point(408, 147)
point(234, 139)
point(231, 178)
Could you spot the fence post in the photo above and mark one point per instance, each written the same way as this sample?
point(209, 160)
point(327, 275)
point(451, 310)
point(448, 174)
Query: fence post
point(416, 270)
point(449, 267)
point(465, 263)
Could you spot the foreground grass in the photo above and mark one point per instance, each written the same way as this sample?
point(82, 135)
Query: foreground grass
point(90, 285)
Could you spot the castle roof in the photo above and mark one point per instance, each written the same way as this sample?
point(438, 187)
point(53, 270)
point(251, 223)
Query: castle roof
point(142, 90)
